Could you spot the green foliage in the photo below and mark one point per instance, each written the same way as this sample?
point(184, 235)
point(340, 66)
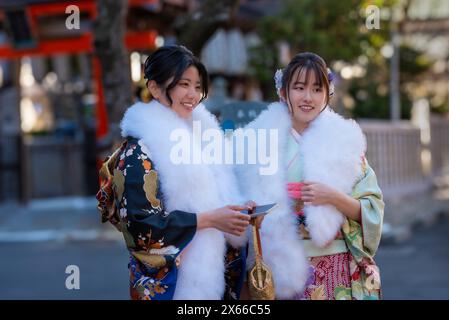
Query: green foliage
point(441, 109)
point(336, 30)
point(372, 100)
point(333, 29)
point(371, 93)
point(412, 63)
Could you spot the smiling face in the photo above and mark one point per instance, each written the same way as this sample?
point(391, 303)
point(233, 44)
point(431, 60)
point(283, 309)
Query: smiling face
point(305, 98)
point(185, 95)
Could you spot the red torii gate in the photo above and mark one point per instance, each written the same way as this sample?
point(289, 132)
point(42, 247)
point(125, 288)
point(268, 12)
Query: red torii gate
point(81, 44)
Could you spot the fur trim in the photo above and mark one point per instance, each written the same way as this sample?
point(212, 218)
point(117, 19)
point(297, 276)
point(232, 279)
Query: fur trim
point(154, 123)
point(332, 148)
point(282, 249)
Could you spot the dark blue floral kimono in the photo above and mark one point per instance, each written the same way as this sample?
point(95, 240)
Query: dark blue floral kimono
point(130, 198)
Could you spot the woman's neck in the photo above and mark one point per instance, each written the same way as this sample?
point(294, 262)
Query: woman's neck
point(299, 126)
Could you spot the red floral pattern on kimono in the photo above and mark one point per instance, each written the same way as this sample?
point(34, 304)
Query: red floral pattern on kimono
point(331, 278)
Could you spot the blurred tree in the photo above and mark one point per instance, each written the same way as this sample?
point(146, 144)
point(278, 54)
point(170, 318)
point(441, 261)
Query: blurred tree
point(195, 28)
point(337, 31)
point(413, 63)
point(329, 28)
point(109, 33)
point(441, 108)
point(371, 93)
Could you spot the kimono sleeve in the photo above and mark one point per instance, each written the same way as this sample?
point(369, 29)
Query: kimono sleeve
point(153, 235)
point(367, 191)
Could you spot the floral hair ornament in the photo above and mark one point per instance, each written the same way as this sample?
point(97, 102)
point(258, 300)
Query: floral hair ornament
point(278, 82)
point(331, 77)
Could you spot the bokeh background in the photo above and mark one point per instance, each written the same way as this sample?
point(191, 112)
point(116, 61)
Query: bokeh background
point(69, 70)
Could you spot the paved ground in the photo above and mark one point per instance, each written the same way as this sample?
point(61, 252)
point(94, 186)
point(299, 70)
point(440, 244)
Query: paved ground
point(37, 243)
point(37, 270)
point(417, 268)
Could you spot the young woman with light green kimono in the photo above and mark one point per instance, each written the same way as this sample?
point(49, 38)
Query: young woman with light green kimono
point(325, 181)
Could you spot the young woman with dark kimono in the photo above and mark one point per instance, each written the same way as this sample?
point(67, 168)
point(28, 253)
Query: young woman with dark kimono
point(325, 182)
point(176, 218)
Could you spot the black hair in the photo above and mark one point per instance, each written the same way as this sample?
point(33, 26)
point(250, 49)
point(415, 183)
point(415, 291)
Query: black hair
point(307, 61)
point(171, 62)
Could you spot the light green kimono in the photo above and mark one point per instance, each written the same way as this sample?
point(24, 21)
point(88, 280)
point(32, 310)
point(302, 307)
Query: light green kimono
point(361, 240)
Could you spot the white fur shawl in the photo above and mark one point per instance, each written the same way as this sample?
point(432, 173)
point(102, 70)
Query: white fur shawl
point(332, 149)
point(188, 187)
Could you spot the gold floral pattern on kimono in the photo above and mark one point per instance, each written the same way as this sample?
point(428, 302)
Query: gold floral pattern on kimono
point(107, 204)
point(143, 287)
point(150, 188)
point(153, 236)
point(119, 184)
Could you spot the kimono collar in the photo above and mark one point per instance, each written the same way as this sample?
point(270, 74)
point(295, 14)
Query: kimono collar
point(296, 136)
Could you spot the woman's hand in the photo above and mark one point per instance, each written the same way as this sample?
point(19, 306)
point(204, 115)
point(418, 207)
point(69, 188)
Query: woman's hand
point(315, 193)
point(257, 221)
point(228, 219)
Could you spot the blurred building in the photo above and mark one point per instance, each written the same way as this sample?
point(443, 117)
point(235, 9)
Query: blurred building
point(51, 98)
point(52, 106)
point(426, 28)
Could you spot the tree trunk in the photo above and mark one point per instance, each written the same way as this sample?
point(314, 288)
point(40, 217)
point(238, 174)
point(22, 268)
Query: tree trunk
point(197, 27)
point(109, 42)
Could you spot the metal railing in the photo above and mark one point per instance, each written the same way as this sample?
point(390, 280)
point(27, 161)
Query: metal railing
point(439, 145)
point(53, 167)
point(394, 151)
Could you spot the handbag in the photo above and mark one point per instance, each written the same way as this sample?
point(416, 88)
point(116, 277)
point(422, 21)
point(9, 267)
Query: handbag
point(260, 278)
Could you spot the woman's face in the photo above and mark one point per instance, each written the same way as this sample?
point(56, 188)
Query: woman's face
point(185, 95)
point(305, 97)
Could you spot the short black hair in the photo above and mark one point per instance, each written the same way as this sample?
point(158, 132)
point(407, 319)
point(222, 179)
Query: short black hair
point(172, 61)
